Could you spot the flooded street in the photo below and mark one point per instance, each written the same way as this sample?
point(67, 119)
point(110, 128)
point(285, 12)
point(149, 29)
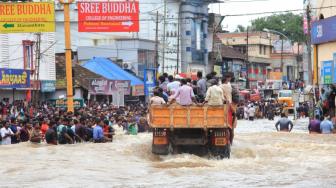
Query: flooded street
point(260, 158)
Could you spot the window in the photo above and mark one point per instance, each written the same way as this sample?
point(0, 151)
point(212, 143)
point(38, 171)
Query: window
point(28, 56)
point(260, 49)
point(264, 50)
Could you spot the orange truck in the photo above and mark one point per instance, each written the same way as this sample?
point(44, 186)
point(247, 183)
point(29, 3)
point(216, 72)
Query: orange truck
point(200, 130)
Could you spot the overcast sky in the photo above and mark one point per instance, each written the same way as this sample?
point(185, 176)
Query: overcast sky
point(254, 6)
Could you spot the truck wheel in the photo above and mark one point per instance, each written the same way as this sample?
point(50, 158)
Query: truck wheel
point(160, 149)
point(227, 151)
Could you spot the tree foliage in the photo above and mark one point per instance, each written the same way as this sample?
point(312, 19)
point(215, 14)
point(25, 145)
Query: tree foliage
point(240, 28)
point(289, 24)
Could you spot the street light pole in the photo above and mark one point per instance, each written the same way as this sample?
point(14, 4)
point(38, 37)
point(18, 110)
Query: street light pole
point(282, 46)
point(68, 51)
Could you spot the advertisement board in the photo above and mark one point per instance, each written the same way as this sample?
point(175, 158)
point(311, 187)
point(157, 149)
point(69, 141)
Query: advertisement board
point(14, 78)
point(27, 17)
point(108, 87)
point(138, 90)
point(334, 72)
point(327, 72)
point(111, 16)
point(62, 103)
point(48, 86)
point(324, 30)
point(150, 81)
point(284, 46)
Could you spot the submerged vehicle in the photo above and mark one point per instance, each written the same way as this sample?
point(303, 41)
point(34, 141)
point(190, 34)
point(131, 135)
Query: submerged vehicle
point(199, 130)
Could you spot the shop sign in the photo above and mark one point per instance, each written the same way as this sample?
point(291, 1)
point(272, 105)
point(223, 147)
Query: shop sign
point(327, 72)
point(112, 16)
point(138, 90)
point(108, 87)
point(324, 31)
point(62, 103)
point(14, 78)
point(27, 17)
point(48, 86)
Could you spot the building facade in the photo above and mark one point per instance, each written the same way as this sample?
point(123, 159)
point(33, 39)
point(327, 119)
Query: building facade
point(19, 51)
point(257, 46)
point(182, 33)
point(323, 35)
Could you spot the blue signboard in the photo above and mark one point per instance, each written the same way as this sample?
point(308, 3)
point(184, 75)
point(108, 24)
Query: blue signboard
point(327, 72)
point(48, 86)
point(334, 72)
point(324, 30)
point(150, 81)
point(14, 78)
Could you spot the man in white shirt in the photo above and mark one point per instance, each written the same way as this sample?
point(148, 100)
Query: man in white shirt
point(6, 134)
point(172, 86)
point(214, 95)
point(156, 99)
point(227, 88)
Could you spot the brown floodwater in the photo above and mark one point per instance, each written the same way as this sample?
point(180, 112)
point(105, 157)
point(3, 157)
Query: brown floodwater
point(260, 158)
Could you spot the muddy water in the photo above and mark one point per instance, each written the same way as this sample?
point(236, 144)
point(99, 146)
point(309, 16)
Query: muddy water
point(260, 158)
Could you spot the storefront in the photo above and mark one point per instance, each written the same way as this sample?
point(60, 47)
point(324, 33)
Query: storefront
point(15, 84)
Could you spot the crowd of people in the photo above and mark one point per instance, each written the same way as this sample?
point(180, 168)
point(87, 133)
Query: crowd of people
point(20, 122)
point(23, 122)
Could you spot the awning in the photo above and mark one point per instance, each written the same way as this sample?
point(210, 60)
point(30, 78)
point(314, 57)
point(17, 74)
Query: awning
point(110, 71)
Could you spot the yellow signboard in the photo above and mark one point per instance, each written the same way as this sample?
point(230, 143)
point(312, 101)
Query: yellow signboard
point(27, 17)
point(275, 76)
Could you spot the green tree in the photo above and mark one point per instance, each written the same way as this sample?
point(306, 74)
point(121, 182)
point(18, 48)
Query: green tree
point(240, 28)
point(289, 24)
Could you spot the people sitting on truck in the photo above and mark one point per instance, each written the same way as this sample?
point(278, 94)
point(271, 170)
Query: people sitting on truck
point(156, 99)
point(314, 125)
point(185, 94)
point(201, 85)
point(227, 88)
point(214, 95)
point(285, 124)
point(173, 85)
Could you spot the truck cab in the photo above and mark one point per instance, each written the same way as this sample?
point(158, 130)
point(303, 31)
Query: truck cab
point(286, 98)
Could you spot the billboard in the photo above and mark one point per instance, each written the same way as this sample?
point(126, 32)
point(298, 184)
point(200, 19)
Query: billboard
point(14, 78)
point(327, 72)
point(324, 30)
point(111, 16)
point(62, 103)
point(27, 17)
point(108, 87)
point(48, 86)
point(286, 47)
point(150, 81)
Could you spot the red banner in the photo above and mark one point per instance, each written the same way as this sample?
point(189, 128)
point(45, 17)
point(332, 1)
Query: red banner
point(112, 16)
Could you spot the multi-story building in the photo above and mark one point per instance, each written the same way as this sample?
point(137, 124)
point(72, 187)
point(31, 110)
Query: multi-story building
point(182, 33)
point(323, 35)
point(18, 51)
point(257, 46)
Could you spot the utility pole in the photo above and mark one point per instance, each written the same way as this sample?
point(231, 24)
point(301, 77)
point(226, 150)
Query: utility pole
point(310, 66)
point(157, 42)
point(37, 66)
point(247, 58)
point(164, 35)
point(68, 51)
point(178, 41)
point(282, 63)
